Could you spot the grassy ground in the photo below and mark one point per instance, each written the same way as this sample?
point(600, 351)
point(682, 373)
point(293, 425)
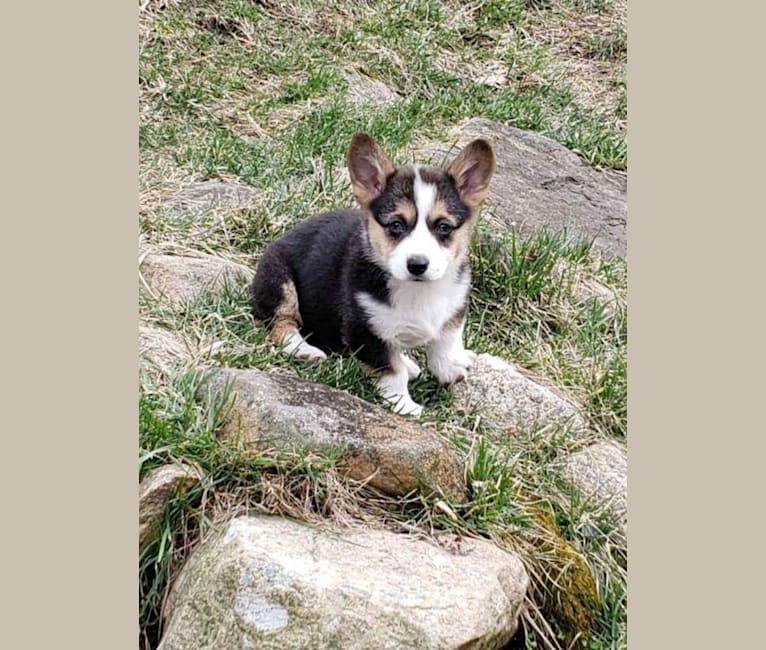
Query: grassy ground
point(258, 93)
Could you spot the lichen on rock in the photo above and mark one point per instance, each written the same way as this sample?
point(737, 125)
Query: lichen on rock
point(269, 582)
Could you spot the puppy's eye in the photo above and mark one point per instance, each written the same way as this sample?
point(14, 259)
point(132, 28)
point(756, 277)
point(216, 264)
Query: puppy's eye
point(396, 228)
point(443, 228)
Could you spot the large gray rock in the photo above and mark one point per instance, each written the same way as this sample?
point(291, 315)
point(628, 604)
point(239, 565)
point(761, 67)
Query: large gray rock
point(511, 401)
point(600, 473)
point(539, 183)
point(397, 455)
point(272, 583)
point(159, 486)
point(176, 279)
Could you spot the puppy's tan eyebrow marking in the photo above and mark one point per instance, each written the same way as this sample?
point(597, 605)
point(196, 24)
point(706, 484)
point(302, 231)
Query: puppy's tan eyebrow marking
point(405, 211)
point(440, 213)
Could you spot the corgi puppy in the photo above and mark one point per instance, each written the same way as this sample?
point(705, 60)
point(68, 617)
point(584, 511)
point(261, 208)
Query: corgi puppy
point(390, 276)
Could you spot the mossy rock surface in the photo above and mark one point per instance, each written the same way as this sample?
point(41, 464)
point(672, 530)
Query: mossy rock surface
point(268, 582)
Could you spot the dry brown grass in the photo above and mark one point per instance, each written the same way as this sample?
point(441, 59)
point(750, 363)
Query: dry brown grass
point(565, 31)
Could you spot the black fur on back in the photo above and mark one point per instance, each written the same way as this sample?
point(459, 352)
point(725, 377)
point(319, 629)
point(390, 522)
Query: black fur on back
point(329, 259)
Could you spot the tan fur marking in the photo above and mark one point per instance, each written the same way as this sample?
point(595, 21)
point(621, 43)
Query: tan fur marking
point(393, 360)
point(440, 212)
point(461, 239)
point(406, 211)
point(381, 243)
point(287, 317)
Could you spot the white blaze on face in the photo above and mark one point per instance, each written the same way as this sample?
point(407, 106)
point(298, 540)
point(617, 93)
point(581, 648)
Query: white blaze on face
point(421, 241)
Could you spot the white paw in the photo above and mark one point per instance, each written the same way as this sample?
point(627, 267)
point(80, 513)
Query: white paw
point(413, 369)
point(405, 406)
point(298, 347)
point(393, 388)
point(453, 369)
point(310, 353)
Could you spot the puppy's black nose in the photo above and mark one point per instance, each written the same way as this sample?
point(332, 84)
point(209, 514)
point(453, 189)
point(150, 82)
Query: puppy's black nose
point(417, 264)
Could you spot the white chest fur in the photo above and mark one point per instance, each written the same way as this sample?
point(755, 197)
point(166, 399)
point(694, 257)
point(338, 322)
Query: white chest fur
point(417, 310)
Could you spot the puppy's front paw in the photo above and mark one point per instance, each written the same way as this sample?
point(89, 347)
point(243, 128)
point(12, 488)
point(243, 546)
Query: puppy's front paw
point(298, 347)
point(310, 353)
point(452, 369)
point(393, 388)
point(406, 406)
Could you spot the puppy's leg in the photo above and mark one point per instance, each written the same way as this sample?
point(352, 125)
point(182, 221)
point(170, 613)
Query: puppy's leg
point(392, 384)
point(448, 360)
point(413, 369)
point(389, 368)
point(275, 301)
point(285, 324)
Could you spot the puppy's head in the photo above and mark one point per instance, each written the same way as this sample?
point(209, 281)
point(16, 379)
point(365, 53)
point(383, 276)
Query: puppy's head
point(419, 219)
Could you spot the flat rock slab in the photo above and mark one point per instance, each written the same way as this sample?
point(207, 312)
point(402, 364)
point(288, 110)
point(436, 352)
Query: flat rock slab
point(159, 486)
point(397, 455)
point(600, 472)
point(176, 279)
point(511, 401)
point(273, 583)
point(539, 183)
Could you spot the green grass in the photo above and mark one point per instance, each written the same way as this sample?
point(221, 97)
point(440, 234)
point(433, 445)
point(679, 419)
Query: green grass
point(256, 93)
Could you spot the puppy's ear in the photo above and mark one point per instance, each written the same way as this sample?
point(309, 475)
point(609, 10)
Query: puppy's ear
point(472, 170)
point(368, 167)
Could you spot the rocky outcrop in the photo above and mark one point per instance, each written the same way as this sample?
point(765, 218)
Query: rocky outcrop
point(580, 285)
point(511, 401)
point(161, 347)
point(364, 91)
point(392, 453)
point(273, 583)
point(206, 195)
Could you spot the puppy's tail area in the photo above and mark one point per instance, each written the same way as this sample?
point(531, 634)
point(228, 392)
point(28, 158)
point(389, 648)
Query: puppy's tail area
point(271, 284)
